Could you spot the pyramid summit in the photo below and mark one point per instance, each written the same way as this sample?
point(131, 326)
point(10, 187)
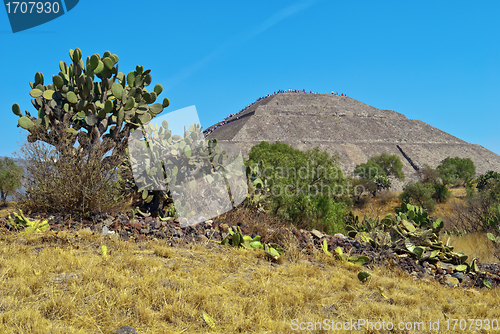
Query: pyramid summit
point(347, 127)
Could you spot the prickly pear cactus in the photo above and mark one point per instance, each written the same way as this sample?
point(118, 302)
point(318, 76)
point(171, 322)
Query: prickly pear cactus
point(199, 177)
point(258, 184)
point(410, 231)
point(90, 100)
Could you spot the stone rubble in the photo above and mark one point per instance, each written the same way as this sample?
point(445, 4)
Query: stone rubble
point(184, 231)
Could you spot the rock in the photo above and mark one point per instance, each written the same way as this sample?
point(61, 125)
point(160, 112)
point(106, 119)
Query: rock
point(201, 238)
point(202, 219)
point(157, 224)
point(458, 275)
point(108, 222)
point(124, 235)
point(467, 282)
point(339, 235)
point(317, 234)
point(225, 227)
point(448, 266)
point(125, 330)
point(451, 281)
point(184, 222)
point(160, 234)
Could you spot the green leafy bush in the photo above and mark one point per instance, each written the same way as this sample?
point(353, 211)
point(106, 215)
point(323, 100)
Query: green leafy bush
point(306, 188)
point(419, 193)
point(489, 182)
point(391, 165)
point(456, 170)
point(376, 172)
point(441, 192)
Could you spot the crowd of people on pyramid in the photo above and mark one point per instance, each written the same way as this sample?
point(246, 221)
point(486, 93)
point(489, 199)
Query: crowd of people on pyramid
point(228, 119)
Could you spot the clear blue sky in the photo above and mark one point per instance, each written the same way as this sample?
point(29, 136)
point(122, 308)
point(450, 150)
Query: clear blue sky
point(437, 61)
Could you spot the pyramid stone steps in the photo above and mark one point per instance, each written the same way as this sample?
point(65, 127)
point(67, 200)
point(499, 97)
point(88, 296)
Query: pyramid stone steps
point(352, 129)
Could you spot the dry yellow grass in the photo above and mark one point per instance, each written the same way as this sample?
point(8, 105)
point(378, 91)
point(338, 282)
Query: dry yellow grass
point(380, 205)
point(476, 245)
point(8, 209)
point(158, 289)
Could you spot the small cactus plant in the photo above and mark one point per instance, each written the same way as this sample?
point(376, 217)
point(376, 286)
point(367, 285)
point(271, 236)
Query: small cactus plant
point(272, 250)
point(21, 222)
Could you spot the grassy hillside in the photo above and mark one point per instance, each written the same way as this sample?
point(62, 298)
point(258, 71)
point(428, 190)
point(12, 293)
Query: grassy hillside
point(62, 283)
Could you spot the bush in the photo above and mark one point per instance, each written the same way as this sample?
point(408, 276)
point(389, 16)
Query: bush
point(456, 171)
point(369, 170)
point(470, 215)
point(59, 183)
point(427, 174)
point(419, 193)
point(488, 181)
point(391, 165)
point(441, 192)
point(307, 188)
point(378, 169)
point(10, 178)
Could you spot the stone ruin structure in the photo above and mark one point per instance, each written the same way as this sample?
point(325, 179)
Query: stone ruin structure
point(353, 130)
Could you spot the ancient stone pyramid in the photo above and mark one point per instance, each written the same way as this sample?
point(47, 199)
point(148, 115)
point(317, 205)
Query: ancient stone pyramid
point(352, 129)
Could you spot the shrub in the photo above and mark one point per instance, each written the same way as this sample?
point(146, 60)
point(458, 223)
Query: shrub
point(10, 178)
point(419, 193)
point(489, 181)
point(456, 171)
point(390, 164)
point(369, 170)
point(378, 169)
point(441, 192)
point(60, 183)
point(427, 174)
point(307, 188)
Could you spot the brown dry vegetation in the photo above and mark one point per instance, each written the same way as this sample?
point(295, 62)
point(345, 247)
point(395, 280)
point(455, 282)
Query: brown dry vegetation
point(158, 289)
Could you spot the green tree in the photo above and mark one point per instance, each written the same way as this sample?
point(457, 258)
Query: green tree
point(390, 164)
point(378, 169)
point(308, 188)
point(488, 181)
point(419, 193)
point(457, 171)
point(10, 177)
point(369, 170)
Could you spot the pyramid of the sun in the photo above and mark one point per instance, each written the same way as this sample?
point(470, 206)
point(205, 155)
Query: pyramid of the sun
point(352, 129)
